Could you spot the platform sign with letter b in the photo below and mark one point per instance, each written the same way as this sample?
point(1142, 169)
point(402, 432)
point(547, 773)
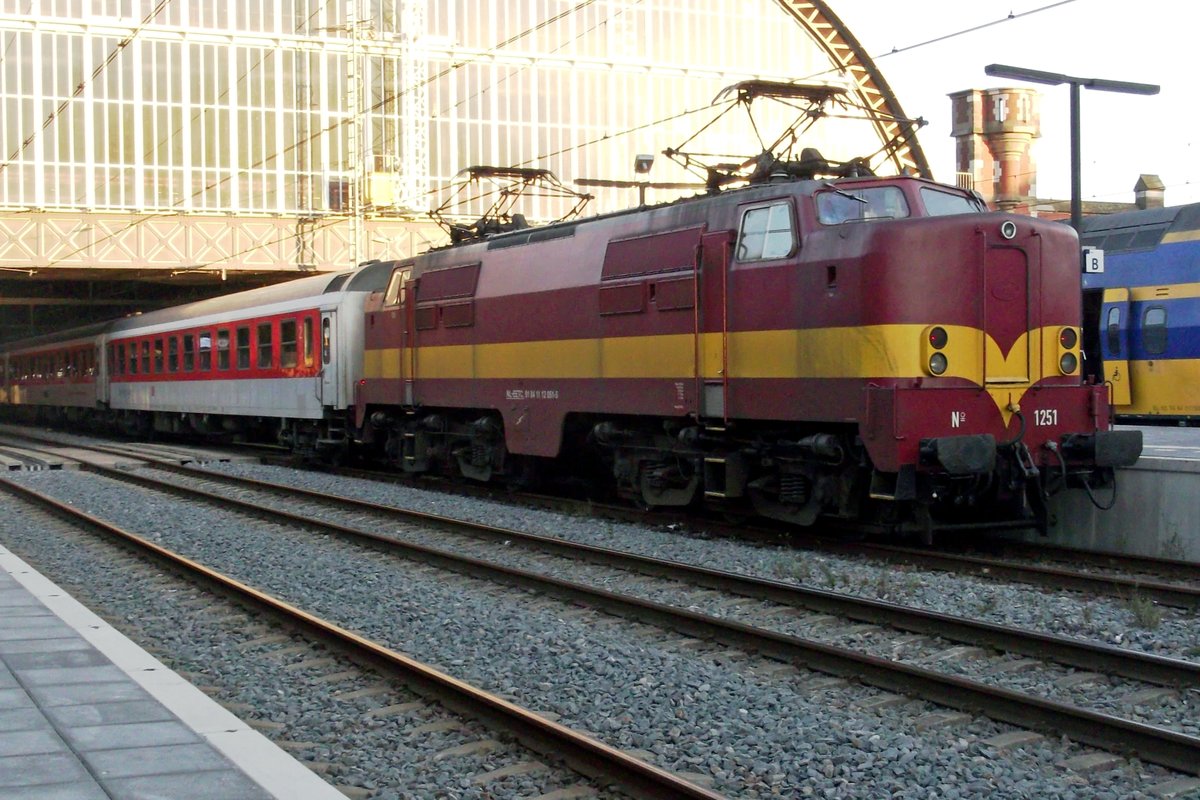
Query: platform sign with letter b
point(1093, 260)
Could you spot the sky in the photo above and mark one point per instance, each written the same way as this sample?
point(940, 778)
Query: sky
point(1122, 135)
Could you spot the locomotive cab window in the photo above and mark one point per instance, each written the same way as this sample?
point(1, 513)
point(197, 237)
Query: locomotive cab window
point(836, 206)
point(941, 204)
point(395, 294)
point(767, 232)
point(1154, 330)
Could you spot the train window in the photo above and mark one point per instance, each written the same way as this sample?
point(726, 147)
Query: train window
point(205, 351)
point(158, 356)
point(1113, 331)
point(222, 349)
point(173, 354)
point(942, 204)
point(395, 290)
point(1154, 330)
point(189, 352)
point(308, 341)
point(243, 347)
point(326, 341)
point(133, 359)
point(145, 356)
point(266, 350)
point(855, 205)
point(767, 232)
point(119, 364)
point(287, 344)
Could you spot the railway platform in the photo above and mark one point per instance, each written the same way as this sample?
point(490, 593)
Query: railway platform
point(1157, 504)
point(85, 713)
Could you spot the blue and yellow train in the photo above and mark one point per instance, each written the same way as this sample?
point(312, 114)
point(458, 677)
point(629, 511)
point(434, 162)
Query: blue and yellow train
point(1142, 313)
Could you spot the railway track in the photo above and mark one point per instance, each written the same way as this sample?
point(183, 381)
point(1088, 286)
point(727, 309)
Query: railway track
point(1152, 743)
point(1163, 581)
point(587, 755)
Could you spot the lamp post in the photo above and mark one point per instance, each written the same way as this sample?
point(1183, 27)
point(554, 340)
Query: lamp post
point(1054, 79)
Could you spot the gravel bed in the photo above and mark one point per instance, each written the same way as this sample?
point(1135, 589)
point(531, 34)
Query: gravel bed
point(751, 737)
point(1115, 622)
point(386, 756)
point(1178, 711)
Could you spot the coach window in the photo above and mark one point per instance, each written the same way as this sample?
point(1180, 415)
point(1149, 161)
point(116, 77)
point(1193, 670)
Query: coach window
point(243, 347)
point(119, 363)
point(173, 354)
point(222, 349)
point(308, 341)
point(326, 341)
point(766, 233)
point(145, 356)
point(205, 351)
point(189, 352)
point(265, 348)
point(1154, 330)
point(287, 344)
point(158, 356)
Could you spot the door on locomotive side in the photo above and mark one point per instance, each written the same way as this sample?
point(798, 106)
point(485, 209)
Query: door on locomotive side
point(1114, 345)
point(399, 294)
point(712, 320)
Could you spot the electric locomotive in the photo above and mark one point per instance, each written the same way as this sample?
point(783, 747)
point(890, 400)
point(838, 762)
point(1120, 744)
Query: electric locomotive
point(821, 343)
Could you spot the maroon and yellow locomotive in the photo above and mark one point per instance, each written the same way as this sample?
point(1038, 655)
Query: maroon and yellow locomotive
point(879, 349)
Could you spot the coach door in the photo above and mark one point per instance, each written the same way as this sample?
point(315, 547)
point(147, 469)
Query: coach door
point(1114, 345)
point(330, 365)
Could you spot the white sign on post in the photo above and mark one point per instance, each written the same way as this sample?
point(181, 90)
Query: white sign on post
point(1093, 260)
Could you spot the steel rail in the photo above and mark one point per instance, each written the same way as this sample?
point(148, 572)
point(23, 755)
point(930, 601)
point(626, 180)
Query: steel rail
point(1147, 742)
point(1175, 595)
point(1147, 667)
point(588, 755)
point(1104, 559)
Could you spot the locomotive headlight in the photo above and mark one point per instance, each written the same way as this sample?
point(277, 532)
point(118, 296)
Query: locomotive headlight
point(936, 339)
point(1008, 229)
point(1068, 363)
point(1068, 338)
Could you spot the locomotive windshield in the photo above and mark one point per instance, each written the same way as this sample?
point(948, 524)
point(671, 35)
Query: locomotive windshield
point(854, 205)
point(940, 204)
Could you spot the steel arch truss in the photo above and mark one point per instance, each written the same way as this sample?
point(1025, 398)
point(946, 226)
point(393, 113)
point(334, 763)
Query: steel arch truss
point(873, 92)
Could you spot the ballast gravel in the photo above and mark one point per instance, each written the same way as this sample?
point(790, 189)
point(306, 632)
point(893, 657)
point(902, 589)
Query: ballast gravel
point(750, 736)
point(1114, 622)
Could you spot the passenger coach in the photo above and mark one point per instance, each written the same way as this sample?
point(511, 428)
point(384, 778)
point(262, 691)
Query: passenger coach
point(277, 362)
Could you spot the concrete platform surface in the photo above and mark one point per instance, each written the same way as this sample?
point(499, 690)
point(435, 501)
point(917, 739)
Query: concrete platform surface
point(85, 713)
